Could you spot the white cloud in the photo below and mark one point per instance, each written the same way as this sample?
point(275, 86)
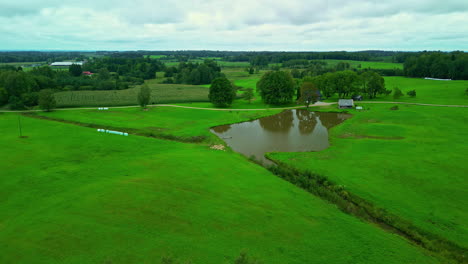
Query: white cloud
point(234, 25)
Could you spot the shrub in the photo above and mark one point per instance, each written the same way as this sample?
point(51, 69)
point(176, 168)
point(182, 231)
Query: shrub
point(411, 93)
point(394, 107)
point(397, 93)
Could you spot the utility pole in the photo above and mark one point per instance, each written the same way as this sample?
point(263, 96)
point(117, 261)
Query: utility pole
point(19, 125)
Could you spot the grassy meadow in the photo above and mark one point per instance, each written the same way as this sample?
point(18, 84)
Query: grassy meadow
point(411, 162)
point(72, 195)
point(367, 64)
point(180, 122)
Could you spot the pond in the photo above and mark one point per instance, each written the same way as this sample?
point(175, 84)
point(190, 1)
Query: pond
point(289, 131)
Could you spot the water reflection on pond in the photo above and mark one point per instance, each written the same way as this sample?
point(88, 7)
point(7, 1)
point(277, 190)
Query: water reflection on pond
point(289, 131)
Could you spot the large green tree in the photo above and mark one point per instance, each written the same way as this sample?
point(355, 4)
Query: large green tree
point(46, 100)
point(373, 84)
point(144, 95)
point(276, 87)
point(75, 70)
point(309, 93)
point(222, 92)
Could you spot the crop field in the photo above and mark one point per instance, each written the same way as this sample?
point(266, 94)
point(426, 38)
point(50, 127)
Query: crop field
point(368, 64)
point(410, 161)
point(160, 93)
point(80, 196)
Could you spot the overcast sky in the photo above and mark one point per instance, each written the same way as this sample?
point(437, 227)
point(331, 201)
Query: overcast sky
point(292, 25)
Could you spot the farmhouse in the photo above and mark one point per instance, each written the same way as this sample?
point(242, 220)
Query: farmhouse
point(87, 73)
point(65, 63)
point(345, 103)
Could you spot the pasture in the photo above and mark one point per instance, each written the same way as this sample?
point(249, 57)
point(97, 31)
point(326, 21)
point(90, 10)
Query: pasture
point(80, 196)
point(367, 64)
point(411, 162)
point(180, 122)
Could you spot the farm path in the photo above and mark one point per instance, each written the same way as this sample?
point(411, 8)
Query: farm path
point(230, 109)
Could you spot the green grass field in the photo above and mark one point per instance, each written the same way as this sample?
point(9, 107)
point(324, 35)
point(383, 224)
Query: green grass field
point(180, 122)
point(411, 161)
point(72, 195)
point(367, 64)
point(427, 91)
point(160, 93)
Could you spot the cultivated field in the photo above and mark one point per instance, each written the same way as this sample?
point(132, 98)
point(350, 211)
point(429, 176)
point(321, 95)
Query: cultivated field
point(160, 93)
point(72, 195)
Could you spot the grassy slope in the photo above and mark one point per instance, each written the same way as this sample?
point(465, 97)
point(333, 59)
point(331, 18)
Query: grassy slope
point(79, 196)
point(421, 176)
point(176, 121)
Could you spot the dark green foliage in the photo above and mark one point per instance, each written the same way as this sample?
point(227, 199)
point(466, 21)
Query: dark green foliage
point(3, 96)
point(47, 100)
point(259, 61)
point(309, 94)
point(296, 73)
point(75, 70)
point(251, 70)
point(373, 84)
point(411, 93)
point(104, 74)
point(144, 95)
point(245, 259)
point(397, 93)
point(276, 87)
point(16, 103)
point(452, 65)
point(342, 66)
point(221, 92)
point(466, 91)
point(248, 94)
point(194, 73)
point(30, 99)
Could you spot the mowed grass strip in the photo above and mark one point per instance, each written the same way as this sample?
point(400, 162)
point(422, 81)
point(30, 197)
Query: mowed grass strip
point(160, 93)
point(411, 162)
point(367, 64)
point(72, 195)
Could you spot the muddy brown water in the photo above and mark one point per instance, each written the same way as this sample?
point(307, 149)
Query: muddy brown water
point(294, 130)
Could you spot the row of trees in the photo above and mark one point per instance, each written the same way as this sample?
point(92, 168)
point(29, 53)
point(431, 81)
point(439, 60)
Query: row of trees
point(193, 73)
point(452, 65)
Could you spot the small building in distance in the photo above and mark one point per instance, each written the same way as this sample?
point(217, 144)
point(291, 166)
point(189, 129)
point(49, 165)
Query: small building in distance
point(345, 103)
point(87, 73)
point(65, 63)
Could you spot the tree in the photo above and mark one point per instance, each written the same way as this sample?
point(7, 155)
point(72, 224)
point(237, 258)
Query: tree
point(397, 93)
point(144, 96)
point(3, 96)
point(411, 93)
point(248, 94)
point(221, 92)
point(309, 93)
point(15, 103)
point(103, 74)
point(46, 100)
point(276, 87)
point(372, 84)
point(75, 70)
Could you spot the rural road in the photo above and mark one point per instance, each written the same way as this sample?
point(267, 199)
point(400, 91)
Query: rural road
point(230, 109)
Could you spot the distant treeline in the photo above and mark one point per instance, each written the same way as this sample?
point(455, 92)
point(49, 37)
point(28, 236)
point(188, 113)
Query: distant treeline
point(452, 65)
point(193, 73)
point(39, 56)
